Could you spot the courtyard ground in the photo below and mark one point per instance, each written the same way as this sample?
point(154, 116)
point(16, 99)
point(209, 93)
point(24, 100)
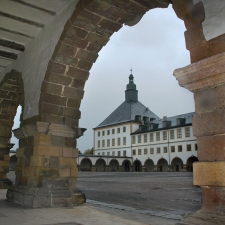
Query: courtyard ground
point(128, 198)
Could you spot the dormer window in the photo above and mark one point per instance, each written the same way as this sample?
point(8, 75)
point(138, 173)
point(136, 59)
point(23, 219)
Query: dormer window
point(181, 121)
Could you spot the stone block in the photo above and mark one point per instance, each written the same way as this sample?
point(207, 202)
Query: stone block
point(20, 152)
point(90, 16)
point(74, 172)
point(78, 84)
point(77, 32)
point(53, 99)
point(57, 78)
point(75, 41)
point(44, 150)
point(211, 148)
point(54, 161)
point(42, 139)
point(39, 160)
point(87, 56)
point(104, 32)
point(84, 23)
point(56, 67)
point(78, 73)
point(6, 157)
point(94, 47)
point(4, 163)
point(110, 25)
point(50, 109)
point(84, 65)
point(63, 49)
point(96, 38)
point(70, 152)
point(207, 124)
point(210, 99)
point(55, 119)
point(51, 88)
point(70, 112)
point(67, 162)
point(209, 173)
point(66, 60)
point(46, 172)
point(73, 103)
point(71, 142)
point(64, 172)
point(71, 92)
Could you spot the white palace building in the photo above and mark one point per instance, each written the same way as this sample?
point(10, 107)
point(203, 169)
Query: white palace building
point(133, 138)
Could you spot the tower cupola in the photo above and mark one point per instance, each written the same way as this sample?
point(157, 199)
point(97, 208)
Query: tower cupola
point(131, 94)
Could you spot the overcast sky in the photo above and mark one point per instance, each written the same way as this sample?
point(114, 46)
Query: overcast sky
point(153, 48)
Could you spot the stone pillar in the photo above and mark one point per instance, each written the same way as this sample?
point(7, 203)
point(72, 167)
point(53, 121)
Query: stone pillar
point(4, 165)
point(47, 169)
point(107, 169)
point(206, 79)
point(155, 168)
point(143, 169)
point(93, 168)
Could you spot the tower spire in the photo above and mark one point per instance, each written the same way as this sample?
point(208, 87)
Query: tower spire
point(131, 92)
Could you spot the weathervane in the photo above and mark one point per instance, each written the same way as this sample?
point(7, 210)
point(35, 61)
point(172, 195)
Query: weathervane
point(131, 70)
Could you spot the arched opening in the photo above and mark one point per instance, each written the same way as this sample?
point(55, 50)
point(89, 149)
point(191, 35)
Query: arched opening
point(113, 165)
point(11, 88)
point(85, 165)
point(189, 164)
point(149, 165)
point(137, 165)
point(177, 164)
point(100, 165)
point(126, 166)
point(12, 163)
point(162, 165)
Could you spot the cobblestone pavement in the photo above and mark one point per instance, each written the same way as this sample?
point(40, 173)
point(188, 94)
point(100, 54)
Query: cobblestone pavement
point(154, 197)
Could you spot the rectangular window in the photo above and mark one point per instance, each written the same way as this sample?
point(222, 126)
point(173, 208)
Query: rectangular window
point(108, 132)
point(179, 134)
point(145, 151)
point(99, 153)
point(151, 150)
point(124, 153)
point(108, 153)
point(113, 131)
point(118, 130)
point(124, 129)
point(188, 148)
point(151, 137)
point(134, 152)
point(118, 153)
point(103, 143)
point(113, 142)
point(99, 145)
point(157, 136)
point(103, 133)
point(164, 135)
point(187, 131)
point(145, 138)
point(196, 147)
point(172, 148)
point(99, 133)
point(124, 140)
point(133, 139)
point(139, 138)
point(139, 151)
point(158, 150)
point(108, 142)
point(118, 141)
point(113, 153)
point(164, 149)
point(179, 148)
point(103, 153)
point(171, 134)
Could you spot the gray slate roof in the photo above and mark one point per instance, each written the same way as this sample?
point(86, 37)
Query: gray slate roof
point(126, 112)
point(173, 119)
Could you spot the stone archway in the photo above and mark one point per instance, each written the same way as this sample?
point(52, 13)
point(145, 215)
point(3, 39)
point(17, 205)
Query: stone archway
point(162, 165)
point(189, 163)
point(100, 165)
point(113, 165)
point(126, 166)
point(11, 89)
point(85, 165)
point(149, 165)
point(137, 165)
point(177, 164)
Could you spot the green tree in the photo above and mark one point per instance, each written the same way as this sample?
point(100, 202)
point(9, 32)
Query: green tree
point(89, 151)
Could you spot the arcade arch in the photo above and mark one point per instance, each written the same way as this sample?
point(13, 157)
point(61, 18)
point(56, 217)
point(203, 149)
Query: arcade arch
point(113, 165)
point(85, 164)
point(100, 165)
point(189, 163)
point(126, 166)
point(177, 164)
point(162, 165)
point(137, 165)
point(149, 165)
